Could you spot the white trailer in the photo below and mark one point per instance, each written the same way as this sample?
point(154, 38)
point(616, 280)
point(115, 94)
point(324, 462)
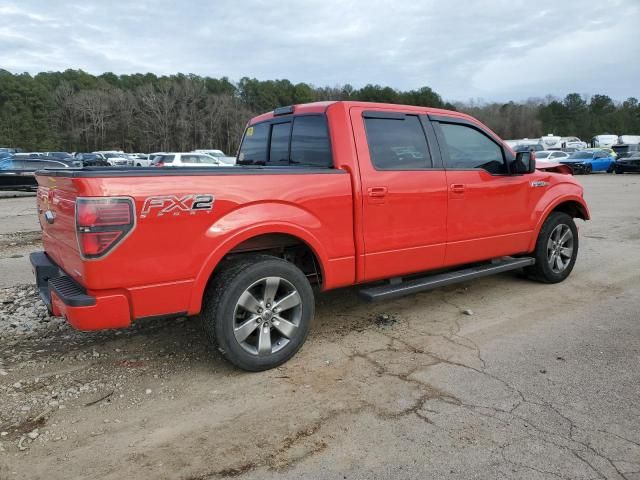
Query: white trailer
point(604, 140)
point(629, 139)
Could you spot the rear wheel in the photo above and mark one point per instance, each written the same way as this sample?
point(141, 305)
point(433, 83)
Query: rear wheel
point(556, 249)
point(611, 168)
point(257, 311)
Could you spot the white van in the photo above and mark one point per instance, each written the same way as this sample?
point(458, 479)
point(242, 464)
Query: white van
point(551, 141)
point(605, 140)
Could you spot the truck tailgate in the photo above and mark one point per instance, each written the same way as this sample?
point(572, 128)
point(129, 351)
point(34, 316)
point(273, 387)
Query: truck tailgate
point(56, 213)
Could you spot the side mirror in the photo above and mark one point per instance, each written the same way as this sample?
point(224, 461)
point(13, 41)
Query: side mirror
point(525, 162)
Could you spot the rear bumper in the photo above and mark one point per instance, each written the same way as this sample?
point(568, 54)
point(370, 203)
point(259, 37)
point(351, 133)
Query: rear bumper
point(64, 297)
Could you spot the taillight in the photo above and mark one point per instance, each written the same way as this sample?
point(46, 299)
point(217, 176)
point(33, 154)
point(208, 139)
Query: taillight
point(102, 223)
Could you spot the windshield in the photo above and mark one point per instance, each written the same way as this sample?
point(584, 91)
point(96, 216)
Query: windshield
point(115, 155)
point(581, 155)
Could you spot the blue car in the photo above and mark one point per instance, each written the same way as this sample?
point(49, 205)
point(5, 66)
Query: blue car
point(587, 161)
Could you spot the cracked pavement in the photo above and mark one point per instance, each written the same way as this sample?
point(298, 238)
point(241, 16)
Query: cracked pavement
point(539, 382)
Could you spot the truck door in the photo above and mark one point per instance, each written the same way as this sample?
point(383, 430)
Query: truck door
point(490, 211)
point(404, 192)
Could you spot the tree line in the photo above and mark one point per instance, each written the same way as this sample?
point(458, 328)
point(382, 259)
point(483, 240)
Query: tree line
point(76, 111)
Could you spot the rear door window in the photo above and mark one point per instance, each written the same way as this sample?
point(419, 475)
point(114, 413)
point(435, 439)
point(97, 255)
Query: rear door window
point(310, 142)
point(397, 143)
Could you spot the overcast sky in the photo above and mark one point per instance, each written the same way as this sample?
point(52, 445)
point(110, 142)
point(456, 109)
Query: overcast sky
point(489, 49)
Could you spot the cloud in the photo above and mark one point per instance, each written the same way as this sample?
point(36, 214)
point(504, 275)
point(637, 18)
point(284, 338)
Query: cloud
point(497, 49)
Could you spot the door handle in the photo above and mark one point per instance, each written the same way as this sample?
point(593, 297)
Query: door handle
point(377, 192)
point(457, 188)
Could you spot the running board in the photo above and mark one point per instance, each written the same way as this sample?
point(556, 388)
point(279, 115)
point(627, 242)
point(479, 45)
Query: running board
point(415, 285)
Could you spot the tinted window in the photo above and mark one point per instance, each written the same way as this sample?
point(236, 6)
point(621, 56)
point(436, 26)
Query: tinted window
point(310, 142)
point(279, 149)
point(468, 149)
point(253, 150)
point(397, 144)
point(163, 159)
point(621, 148)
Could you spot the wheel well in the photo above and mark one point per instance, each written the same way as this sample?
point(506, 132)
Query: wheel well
point(284, 246)
point(573, 208)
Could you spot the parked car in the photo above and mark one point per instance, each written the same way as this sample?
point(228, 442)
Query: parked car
point(141, 159)
point(59, 155)
point(625, 150)
point(629, 163)
point(551, 155)
point(587, 161)
point(220, 156)
point(17, 171)
point(92, 160)
point(117, 159)
point(394, 198)
point(178, 159)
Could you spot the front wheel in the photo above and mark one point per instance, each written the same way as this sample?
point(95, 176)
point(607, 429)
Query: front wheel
point(556, 249)
point(588, 169)
point(257, 311)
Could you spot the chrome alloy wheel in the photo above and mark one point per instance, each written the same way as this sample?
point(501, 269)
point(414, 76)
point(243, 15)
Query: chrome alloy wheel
point(560, 248)
point(267, 316)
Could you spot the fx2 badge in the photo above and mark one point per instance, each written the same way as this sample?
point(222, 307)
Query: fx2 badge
point(176, 205)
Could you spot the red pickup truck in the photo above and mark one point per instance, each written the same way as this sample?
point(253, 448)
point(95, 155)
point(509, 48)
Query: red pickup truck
point(397, 199)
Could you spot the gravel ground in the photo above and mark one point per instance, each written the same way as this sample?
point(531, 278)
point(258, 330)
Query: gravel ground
point(498, 378)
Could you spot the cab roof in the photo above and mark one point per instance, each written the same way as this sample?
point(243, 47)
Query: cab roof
point(322, 107)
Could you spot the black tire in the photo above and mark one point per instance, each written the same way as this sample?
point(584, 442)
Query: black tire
point(611, 168)
point(543, 270)
point(587, 169)
point(222, 312)
point(618, 170)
